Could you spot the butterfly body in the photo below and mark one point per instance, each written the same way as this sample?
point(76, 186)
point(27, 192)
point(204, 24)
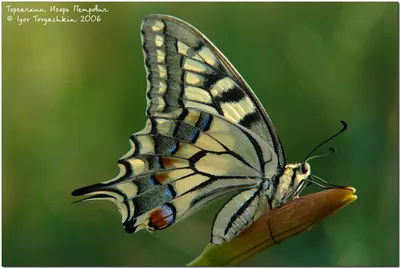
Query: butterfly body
point(207, 135)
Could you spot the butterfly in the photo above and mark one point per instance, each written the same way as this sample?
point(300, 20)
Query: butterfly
point(207, 135)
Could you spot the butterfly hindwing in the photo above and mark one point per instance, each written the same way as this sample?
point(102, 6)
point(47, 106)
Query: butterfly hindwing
point(175, 166)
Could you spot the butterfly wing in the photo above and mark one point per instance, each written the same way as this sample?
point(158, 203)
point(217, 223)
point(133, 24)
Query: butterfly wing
point(175, 166)
point(184, 69)
point(206, 135)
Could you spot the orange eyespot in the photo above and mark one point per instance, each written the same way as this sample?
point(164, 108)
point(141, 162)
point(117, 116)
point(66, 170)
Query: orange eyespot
point(161, 177)
point(161, 218)
point(167, 162)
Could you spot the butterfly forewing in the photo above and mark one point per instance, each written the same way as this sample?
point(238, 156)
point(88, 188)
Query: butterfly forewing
point(206, 135)
point(185, 70)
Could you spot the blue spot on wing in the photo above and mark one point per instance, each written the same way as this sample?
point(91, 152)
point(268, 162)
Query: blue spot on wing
point(173, 148)
point(170, 192)
point(205, 122)
point(194, 136)
point(153, 181)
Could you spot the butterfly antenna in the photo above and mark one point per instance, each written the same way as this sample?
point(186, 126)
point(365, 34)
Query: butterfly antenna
point(322, 143)
point(332, 151)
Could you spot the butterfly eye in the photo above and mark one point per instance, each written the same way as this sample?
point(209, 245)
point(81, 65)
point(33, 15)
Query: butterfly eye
point(304, 168)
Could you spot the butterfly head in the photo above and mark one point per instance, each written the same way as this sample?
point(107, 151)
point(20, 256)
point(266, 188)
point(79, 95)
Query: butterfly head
point(296, 177)
point(293, 180)
point(299, 178)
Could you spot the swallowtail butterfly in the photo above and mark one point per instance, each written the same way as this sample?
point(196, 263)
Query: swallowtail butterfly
point(206, 135)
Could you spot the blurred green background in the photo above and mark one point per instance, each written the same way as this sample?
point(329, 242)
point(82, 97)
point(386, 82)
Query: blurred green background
point(73, 93)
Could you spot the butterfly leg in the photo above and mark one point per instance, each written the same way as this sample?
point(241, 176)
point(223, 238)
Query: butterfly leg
point(269, 224)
